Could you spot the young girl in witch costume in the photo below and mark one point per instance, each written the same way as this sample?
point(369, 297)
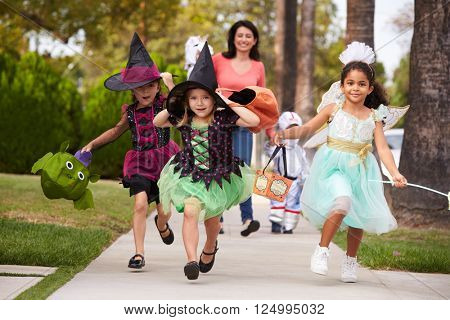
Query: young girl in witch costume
point(204, 179)
point(152, 146)
point(338, 190)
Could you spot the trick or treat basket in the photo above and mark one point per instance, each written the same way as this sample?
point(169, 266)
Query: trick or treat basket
point(271, 185)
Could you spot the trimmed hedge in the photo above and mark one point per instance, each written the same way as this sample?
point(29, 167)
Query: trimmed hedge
point(39, 109)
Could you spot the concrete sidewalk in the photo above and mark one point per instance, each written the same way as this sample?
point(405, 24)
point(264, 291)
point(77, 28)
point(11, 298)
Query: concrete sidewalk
point(11, 286)
point(262, 266)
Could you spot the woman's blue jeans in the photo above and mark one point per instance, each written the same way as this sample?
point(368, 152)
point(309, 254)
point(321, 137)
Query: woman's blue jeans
point(242, 148)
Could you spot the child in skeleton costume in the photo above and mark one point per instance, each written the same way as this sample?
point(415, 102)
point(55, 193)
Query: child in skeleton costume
point(340, 191)
point(285, 215)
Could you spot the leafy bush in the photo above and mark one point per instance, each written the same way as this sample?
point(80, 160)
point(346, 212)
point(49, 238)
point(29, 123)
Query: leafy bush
point(39, 109)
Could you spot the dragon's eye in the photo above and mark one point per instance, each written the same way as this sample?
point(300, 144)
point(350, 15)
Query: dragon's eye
point(81, 175)
point(69, 165)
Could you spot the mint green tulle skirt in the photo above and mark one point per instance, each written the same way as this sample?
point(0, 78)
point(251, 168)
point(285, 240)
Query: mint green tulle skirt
point(174, 189)
point(336, 183)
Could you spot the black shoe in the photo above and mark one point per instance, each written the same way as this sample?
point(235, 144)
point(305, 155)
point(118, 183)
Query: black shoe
point(221, 231)
point(206, 267)
point(287, 231)
point(276, 228)
point(168, 239)
point(136, 263)
point(253, 226)
point(191, 270)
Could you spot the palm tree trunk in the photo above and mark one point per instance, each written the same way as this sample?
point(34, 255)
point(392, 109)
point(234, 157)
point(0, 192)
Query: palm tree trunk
point(425, 157)
point(304, 100)
point(285, 51)
point(142, 25)
point(279, 49)
point(360, 21)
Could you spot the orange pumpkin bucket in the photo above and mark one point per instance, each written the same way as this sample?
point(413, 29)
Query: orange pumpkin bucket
point(261, 101)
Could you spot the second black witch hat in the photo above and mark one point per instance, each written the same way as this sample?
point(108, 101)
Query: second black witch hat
point(202, 76)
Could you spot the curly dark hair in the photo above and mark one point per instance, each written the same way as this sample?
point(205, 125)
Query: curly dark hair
point(231, 53)
point(378, 95)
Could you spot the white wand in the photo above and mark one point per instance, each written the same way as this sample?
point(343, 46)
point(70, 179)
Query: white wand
point(420, 187)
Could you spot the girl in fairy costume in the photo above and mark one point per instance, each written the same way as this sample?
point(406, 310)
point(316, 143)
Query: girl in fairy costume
point(339, 191)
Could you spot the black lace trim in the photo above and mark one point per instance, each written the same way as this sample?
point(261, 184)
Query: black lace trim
point(162, 133)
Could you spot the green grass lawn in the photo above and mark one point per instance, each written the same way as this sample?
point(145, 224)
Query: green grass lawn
point(416, 250)
point(36, 231)
point(21, 198)
point(70, 249)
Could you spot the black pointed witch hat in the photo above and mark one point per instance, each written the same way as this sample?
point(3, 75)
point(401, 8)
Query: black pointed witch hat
point(203, 77)
point(139, 71)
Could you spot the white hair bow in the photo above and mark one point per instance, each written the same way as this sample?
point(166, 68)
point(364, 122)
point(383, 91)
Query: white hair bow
point(357, 51)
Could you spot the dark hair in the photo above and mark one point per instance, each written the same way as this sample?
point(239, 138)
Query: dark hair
point(157, 96)
point(231, 53)
point(378, 95)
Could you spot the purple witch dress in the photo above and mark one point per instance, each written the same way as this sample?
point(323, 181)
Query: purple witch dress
point(152, 149)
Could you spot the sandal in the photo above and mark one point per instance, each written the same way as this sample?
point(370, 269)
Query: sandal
point(191, 270)
point(168, 239)
point(206, 267)
point(136, 263)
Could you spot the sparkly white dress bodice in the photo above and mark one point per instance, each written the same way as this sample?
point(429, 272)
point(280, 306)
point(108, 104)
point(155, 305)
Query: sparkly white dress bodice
point(345, 126)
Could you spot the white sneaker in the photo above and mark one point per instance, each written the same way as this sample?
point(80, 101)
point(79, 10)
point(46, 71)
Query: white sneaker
point(348, 269)
point(319, 260)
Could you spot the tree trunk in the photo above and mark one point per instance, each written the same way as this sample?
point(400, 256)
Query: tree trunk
point(360, 21)
point(425, 156)
point(285, 51)
point(304, 100)
point(143, 34)
point(279, 50)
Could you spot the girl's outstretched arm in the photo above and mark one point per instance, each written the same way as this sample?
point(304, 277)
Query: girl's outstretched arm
point(387, 157)
point(162, 119)
point(168, 80)
point(308, 128)
point(109, 135)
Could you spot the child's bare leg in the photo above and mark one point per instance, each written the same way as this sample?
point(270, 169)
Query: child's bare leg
point(190, 230)
point(139, 221)
point(163, 218)
point(354, 238)
point(212, 227)
point(330, 227)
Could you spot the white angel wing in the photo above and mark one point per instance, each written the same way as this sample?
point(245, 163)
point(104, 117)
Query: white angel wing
point(320, 137)
point(333, 95)
point(393, 115)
